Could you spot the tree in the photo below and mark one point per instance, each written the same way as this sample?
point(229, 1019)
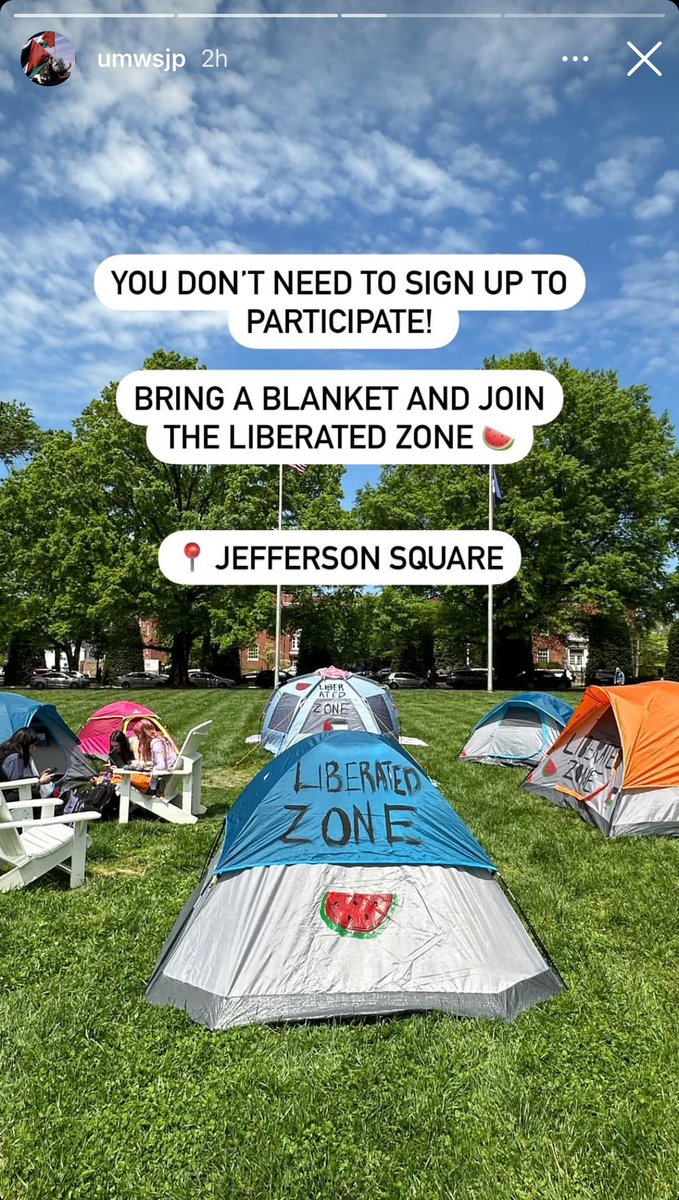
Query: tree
point(82, 523)
point(336, 627)
point(672, 660)
point(594, 507)
point(125, 650)
point(610, 645)
point(20, 435)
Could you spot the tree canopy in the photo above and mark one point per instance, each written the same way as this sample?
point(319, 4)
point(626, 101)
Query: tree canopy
point(594, 507)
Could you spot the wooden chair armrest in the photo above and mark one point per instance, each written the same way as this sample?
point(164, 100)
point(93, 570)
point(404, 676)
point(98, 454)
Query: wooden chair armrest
point(70, 819)
point(184, 770)
point(39, 803)
point(17, 783)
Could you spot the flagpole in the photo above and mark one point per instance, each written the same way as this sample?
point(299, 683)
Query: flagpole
point(491, 499)
point(279, 590)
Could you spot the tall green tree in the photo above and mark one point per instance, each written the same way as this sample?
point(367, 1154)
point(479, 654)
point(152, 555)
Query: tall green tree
point(20, 434)
point(672, 660)
point(594, 507)
point(86, 517)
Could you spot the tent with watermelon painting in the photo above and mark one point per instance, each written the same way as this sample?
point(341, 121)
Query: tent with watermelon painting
point(348, 885)
point(617, 761)
point(325, 700)
point(518, 732)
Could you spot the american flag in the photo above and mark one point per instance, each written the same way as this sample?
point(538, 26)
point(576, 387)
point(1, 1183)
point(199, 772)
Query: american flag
point(299, 467)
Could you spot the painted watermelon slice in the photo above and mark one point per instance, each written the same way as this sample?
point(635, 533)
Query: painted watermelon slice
point(550, 767)
point(357, 914)
point(496, 440)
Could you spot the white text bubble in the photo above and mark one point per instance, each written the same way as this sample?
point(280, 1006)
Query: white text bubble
point(370, 416)
point(343, 301)
point(329, 558)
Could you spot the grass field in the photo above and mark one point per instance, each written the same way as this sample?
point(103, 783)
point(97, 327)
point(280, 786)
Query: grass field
point(103, 1096)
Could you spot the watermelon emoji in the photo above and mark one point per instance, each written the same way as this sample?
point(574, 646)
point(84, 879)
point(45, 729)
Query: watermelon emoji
point(357, 914)
point(495, 440)
point(550, 767)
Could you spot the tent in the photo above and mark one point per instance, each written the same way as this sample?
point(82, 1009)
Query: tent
point(519, 731)
point(347, 885)
point(617, 761)
point(324, 700)
point(95, 735)
point(57, 744)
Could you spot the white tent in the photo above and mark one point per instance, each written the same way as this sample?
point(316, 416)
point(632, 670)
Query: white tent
point(325, 700)
point(346, 885)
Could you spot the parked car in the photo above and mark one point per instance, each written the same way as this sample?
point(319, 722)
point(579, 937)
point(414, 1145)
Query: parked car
point(405, 679)
point(52, 679)
point(605, 677)
point(263, 679)
point(538, 679)
point(83, 680)
point(141, 679)
point(208, 679)
point(468, 677)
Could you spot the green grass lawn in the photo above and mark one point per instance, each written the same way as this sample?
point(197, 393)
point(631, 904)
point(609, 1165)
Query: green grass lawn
point(103, 1096)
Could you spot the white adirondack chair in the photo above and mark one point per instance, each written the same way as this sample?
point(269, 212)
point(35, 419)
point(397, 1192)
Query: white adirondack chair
point(181, 801)
point(32, 847)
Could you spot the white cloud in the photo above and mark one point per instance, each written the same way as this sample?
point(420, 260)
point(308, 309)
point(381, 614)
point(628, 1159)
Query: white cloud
point(663, 201)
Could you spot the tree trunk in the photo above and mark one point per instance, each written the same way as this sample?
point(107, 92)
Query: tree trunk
point(179, 662)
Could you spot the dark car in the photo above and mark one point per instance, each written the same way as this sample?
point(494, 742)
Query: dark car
point(605, 677)
point(263, 679)
point(551, 679)
point(468, 677)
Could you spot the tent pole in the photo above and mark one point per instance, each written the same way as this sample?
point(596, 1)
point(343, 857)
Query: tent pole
point(489, 682)
point(279, 590)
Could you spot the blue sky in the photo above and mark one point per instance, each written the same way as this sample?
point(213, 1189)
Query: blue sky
point(341, 136)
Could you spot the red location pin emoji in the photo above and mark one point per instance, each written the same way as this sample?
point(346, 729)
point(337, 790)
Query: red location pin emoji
point(192, 550)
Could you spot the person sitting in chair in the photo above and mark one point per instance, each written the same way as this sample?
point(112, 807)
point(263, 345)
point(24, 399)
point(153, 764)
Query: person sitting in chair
point(120, 751)
point(16, 763)
point(154, 753)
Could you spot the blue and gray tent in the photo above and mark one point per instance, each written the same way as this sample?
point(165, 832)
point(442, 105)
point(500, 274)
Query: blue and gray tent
point(518, 732)
point(325, 700)
point(57, 746)
point(347, 885)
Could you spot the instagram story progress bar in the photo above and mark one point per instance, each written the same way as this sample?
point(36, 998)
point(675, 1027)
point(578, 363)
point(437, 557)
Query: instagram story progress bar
point(366, 15)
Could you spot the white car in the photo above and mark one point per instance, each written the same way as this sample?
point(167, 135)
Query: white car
point(209, 679)
point(140, 679)
point(405, 679)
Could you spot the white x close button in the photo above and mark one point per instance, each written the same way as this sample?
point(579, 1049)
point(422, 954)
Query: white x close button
point(644, 59)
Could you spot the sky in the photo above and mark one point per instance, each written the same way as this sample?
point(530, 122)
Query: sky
point(340, 135)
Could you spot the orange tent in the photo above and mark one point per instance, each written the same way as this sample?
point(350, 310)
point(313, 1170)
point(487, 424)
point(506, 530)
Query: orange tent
point(647, 716)
point(617, 760)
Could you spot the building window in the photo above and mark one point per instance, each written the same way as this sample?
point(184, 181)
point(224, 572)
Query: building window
point(576, 658)
point(253, 653)
point(543, 656)
point(296, 639)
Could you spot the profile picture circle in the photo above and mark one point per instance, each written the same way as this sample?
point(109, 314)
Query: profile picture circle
point(48, 58)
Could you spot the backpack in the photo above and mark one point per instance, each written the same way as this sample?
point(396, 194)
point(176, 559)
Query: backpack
point(102, 798)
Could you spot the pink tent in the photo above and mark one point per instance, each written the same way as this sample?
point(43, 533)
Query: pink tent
point(95, 735)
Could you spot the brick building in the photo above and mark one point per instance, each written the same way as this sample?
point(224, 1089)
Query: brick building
point(260, 655)
point(565, 649)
